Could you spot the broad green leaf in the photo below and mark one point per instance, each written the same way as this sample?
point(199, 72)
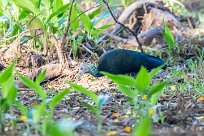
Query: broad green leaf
point(104, 27)
point(120, 79)
point(73, 20)
point(12, 93)
point(168, 36)
point(32, 85)
point(6, 74)
point(8, 89)
point(59, 129)
point(144, 128)
point(143, 79)
point(127, 90)
point(154, 71)
point(36, 3)
point(95, 13)
point(39, 112)
point(27, 5)
point(83, 90)
point(57, 4)
point(157, 88)
point(35, 23)
point(86, 22)
point(98, 31)
point(22, 15)
point(13, 30)
point(22, 108)
point(58, 98)
point(91, 108)
point(40, 77)
point(4, 105)
point(59, 11)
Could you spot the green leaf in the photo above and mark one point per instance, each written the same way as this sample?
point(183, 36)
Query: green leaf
point(6, 74)
point(36, 3)
point(39, 112)
point(22, 15)
point(58, 98)
point(86, 22)
point(143, 129)
point(34, 22)
point(57, 4)
point(40, 77)
point(127, 90)
point(32, 85)
point(22, 108)
point(157, 88)
point(95, 13)
point(104, 27)
point(27, 5)
point(59, 11)
point(154, 71)
point(143, 79)
point(75, 24)
point(8, 90)
point(4, 105)
point(120, 79)
point(91, 108)
point(83, 90)
point(168, 36)
point(12, 93)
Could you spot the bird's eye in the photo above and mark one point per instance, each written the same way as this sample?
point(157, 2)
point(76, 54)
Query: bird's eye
point(81, 68)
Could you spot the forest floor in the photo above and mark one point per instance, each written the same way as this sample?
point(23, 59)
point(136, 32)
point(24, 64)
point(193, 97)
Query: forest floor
point(180, 103)
point(179, 111)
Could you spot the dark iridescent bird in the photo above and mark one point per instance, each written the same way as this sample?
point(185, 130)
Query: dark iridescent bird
point(121, 61)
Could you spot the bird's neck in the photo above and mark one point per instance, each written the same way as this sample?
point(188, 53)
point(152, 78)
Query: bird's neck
point(94, 71)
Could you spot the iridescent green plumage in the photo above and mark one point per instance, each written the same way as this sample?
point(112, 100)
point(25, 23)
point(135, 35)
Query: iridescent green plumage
point(89, 68)
point(121, 61)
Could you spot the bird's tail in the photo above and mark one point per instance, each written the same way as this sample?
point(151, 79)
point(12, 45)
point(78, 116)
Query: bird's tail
point(155, 62)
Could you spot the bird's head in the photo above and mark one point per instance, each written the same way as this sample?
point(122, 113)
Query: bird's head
point(88, 68)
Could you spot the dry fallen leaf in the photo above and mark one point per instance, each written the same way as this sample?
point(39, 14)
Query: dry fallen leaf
point(116, 115)
point(201, 98)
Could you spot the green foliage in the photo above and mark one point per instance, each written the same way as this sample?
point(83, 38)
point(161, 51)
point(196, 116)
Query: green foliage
point(8, 92)
point(132, 87)
point(27, 5)
point(8, 89)
point(40, 77)
point(137, 88)
point(83, 90)
point(37, 115)
point(58, 12)
point(98, 100)
point(35, 86)
point(168, 36)
point(142, 80)
point(144, 128)
point(57, 98)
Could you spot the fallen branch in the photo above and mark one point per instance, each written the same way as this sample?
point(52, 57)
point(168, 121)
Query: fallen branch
point(145, 37)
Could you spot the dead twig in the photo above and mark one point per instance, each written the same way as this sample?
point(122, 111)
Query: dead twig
point(18, 35)
point(68, 23)
point(127, 28)
point(86, 11)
